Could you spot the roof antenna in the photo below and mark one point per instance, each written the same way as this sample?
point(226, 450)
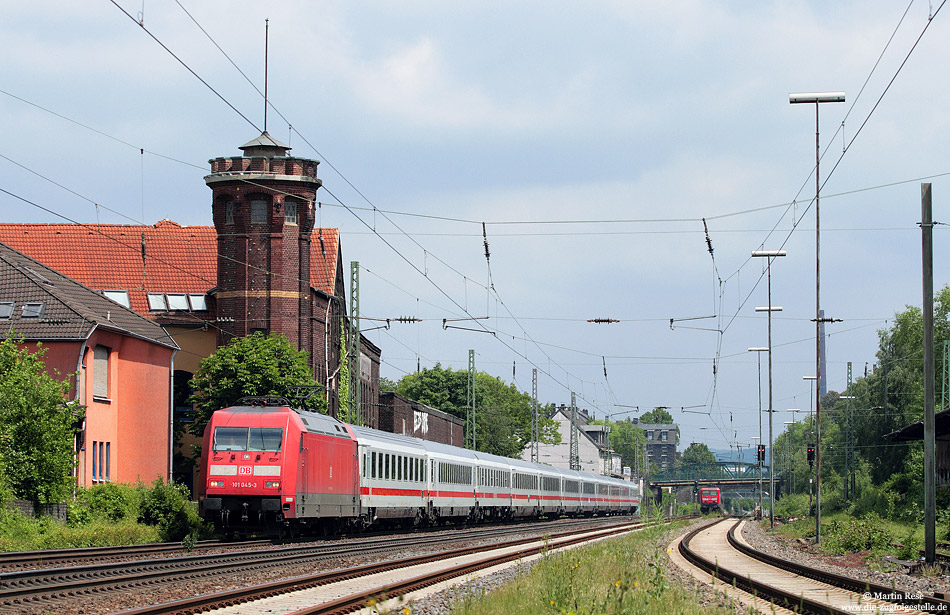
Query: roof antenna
point(266, 38)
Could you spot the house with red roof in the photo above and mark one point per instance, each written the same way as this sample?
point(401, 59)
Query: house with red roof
point(262, 266)
point(117, 362)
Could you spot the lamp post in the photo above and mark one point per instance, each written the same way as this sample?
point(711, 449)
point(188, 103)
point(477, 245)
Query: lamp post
point(758, 350)
point(817, 98)
point(769, 255)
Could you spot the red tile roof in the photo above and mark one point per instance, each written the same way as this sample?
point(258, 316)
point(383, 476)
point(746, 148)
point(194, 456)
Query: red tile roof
point(178, 259)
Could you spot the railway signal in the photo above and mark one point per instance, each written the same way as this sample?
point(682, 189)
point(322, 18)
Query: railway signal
point(760, 453)
point(811, 455)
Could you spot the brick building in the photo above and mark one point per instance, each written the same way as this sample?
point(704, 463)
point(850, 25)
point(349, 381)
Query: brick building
point(118, 364)
point(398, 414)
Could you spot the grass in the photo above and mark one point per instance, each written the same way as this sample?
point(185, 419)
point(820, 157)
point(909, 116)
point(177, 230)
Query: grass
point(614, 577)
point(843, 533)
point(20, 533)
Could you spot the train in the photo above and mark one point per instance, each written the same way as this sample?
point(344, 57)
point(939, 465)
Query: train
point(710, 499)
point(266, 466)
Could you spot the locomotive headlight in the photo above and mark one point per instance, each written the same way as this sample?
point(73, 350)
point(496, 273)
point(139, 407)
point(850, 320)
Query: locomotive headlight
point(216, 483)
point(272, 484)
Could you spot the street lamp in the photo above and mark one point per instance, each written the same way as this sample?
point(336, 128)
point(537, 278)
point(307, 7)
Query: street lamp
point(769, 255)
point(817, 98)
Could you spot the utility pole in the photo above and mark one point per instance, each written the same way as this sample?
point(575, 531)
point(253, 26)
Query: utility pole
point(930, 476)
point(470, 410)
point(534, 416)
point(355, 405)
point(575, 457)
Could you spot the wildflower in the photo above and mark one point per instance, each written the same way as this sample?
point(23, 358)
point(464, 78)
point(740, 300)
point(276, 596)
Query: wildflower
point(406, 610)
point(552, 603)
point(618, 583)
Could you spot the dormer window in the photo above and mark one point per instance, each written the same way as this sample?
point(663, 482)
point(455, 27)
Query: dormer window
point(6, 309)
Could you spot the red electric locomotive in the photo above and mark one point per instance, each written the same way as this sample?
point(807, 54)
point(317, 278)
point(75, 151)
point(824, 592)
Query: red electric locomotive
point(264, 465)
point(709, 499)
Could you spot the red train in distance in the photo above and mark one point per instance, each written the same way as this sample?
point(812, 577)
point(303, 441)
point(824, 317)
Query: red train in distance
point(271, 467)
point(710, 499)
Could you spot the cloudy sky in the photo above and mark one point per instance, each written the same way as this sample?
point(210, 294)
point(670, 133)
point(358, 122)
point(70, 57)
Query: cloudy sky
point(591, 139)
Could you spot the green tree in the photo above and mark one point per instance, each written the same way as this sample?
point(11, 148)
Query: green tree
point(36, 426)
point(657, 416)
point(256, 364)
point(502, 412)
point(628, 441)
point(698, 453)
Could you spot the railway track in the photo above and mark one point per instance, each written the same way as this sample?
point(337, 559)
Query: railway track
point(717, 549)
point(53, 557)
point(24, 589)
point(343, 591)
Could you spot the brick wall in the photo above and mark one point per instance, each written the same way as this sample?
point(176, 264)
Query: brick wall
point(404, 416)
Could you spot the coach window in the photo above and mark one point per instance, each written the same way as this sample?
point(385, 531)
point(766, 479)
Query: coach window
point(373, 457)
point(399, 472)
point(405, 467)
point(386, 467)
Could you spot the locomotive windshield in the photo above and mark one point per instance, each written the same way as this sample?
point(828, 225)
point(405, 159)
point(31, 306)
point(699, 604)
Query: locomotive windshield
point(248, 438)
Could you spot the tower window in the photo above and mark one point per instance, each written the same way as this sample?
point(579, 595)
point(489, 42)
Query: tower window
point(259, 211)
point(229, 212)
point(290, 212)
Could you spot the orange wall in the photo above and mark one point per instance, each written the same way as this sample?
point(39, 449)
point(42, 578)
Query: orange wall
point(134, 418)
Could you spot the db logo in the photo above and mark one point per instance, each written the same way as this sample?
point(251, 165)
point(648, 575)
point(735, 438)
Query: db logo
point(246, 470)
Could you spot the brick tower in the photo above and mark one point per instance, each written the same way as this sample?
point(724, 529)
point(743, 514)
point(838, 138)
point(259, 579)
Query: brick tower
point(263, 211)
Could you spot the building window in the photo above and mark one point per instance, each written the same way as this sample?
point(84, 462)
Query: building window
point(259, 211)
point(108, 458)
point(177, 302)
point(290, 212)
point(663, 435)
point(33, 310)
point(198, 303)
point(156, 301)
point(119, 296)
point(6, 309)
point(100, 372)
point(229, 212)
point(95, 448)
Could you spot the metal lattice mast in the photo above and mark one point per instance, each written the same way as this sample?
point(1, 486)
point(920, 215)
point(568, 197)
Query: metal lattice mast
point(575, 456)
point(354, 352)
point(534, 416)
point(470, 409)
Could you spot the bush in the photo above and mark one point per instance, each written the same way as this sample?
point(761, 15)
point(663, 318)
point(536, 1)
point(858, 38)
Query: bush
point(794, 505)
point(105, 502)
point(168, 506)
point(855, 535)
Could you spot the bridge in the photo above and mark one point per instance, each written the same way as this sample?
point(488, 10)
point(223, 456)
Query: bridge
point(735, 476)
